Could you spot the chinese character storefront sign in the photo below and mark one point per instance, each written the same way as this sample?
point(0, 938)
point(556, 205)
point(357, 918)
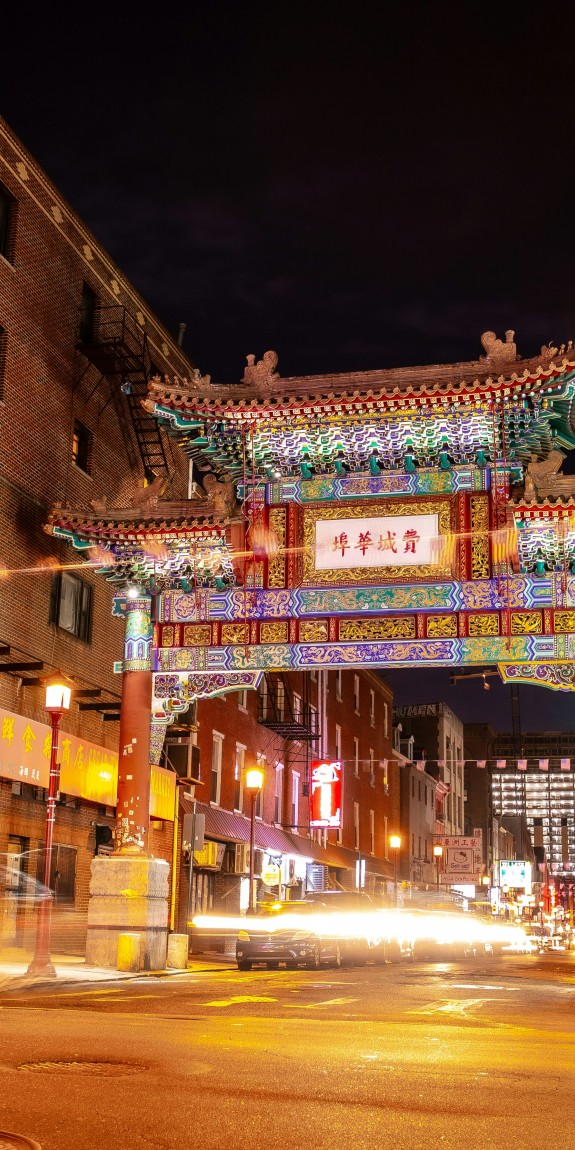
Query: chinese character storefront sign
point(87, 770)
point(385, 541)
point(325, 799)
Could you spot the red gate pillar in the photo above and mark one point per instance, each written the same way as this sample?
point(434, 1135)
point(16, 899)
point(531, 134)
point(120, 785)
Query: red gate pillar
point(129, 890)
point(133, 809)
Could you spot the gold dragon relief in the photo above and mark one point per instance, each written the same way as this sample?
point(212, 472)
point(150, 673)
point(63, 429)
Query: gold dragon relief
point(483, 624)
point(526, 623)
point(197, 635)
point(276, 564)
point(274, 632)
point(564, 622)
point(480, 564)
point(364, 629)
point(314, 631)
point(442, 627)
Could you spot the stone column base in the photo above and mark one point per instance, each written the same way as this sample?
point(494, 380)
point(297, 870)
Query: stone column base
point(128, 894)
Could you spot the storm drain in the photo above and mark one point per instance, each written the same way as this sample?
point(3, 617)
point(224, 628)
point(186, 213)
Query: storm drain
point(102, 1069)
point(17, 1142)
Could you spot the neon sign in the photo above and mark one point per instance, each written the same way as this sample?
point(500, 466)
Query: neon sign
point(325, 800)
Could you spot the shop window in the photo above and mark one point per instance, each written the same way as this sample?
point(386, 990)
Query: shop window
point(71, 604)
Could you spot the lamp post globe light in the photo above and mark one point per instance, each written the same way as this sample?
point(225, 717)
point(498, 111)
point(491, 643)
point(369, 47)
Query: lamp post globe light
point(57, 702)
point(438, 855)
point(254, 781)
point(395, 846)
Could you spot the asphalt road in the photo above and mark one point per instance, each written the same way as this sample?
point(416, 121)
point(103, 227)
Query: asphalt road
point(479, 1054)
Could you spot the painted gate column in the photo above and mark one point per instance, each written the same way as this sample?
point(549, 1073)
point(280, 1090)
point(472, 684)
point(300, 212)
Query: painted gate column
point(133, 809)
point(129, 890)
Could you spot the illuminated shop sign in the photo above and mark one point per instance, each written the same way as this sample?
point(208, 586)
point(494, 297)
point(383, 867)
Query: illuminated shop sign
point(87, 770)
point(515, 873)
point(383, 541)
point(325, 800)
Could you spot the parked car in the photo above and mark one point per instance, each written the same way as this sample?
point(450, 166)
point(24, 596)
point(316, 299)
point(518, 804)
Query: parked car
point(298, 943)
point(355, 951)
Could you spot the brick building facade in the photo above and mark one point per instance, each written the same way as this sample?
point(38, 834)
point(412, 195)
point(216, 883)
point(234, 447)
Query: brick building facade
point(67, 435)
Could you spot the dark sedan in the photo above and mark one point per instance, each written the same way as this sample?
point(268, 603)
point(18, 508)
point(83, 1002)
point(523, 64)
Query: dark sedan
point(295, 941)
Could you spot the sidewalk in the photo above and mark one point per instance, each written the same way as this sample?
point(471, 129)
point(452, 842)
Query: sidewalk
point(14, 964)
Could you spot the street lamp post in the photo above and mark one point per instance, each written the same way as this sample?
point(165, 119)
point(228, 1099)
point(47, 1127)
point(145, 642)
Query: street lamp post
point(253, 784)
point(56, 704)
point(395, 844)
point(438, 855)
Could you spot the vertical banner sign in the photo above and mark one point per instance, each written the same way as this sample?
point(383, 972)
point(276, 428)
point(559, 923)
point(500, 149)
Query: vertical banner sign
point(325, 799)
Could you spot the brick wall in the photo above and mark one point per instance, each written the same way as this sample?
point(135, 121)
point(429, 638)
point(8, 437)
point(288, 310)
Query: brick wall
point(46, 385)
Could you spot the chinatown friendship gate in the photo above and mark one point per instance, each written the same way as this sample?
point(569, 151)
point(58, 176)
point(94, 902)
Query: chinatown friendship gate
point(394, 518)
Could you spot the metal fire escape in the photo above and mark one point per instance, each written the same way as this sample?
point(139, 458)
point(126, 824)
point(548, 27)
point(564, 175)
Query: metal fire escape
point(112, 340)
point(277, 712)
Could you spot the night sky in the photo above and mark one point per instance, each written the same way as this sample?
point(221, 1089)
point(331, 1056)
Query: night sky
point(354, 191)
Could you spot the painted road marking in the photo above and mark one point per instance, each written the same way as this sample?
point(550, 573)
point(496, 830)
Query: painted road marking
point(326, 1002)
point(450, 1006)
point(239, 998)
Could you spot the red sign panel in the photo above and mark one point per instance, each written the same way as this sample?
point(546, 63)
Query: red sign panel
point(325, 800)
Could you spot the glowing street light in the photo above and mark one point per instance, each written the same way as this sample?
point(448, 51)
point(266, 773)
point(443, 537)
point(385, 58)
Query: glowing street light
point(254, 781)
point(438, 855)
point(395, 846)
point(57, 702)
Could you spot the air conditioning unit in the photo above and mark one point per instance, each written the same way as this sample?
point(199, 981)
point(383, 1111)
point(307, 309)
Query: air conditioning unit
point(208, 856)
point(241, 858)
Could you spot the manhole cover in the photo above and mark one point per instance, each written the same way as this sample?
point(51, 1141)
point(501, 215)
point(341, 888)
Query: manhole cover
point(17, 1142)
point(108, 1069)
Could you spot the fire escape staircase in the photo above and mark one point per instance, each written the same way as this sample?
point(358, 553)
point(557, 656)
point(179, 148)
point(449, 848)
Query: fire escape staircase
point(113, 342)
point(276, 710)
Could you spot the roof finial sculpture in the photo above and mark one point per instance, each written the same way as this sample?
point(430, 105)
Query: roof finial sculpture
point(261, 373)
point(498, 354)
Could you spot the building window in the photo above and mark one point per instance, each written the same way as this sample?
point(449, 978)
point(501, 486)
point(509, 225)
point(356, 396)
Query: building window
point(88, 308)
point(239, 777)
point(371, 767)
point(356, 826)
point(243, 700)
point(81, 447)
point(294, 800)
point(71, 604)
point(356, 757)
point(338, 686)
point(372, 708)
point(385, 720)
point(372, 832)
point(3, 342)
point(216, 778)
point(313, 723)
point(296, 707)
point(356, 694)
point(263, 699)
point(313, 675)
point(337, 741)
point(261, 762)
point(7, 222)
point(278, 793)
